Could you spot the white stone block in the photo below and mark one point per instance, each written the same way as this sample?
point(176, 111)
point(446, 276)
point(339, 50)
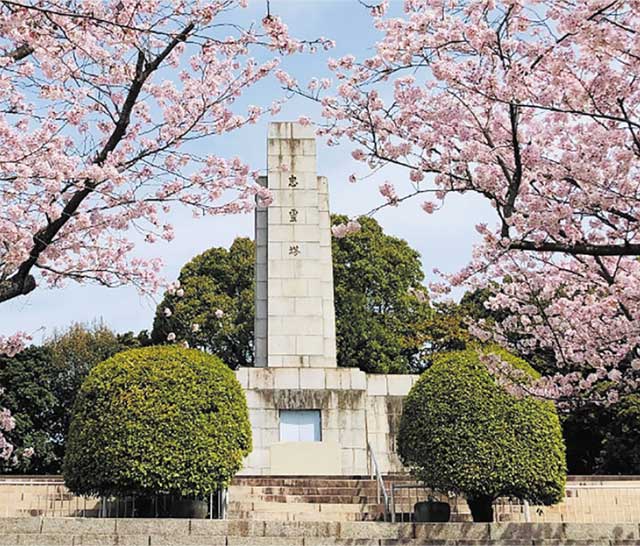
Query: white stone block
point(329, 346)
point(358, 379)
point(261, 378)
point(280, 129)
point(347, 461)
point(274, 361)
point(312, 379)
point(255, 400)
point(324, 220)
point(295, 287)
point(358, 420)
point(309, 345)
point(376, 385)
point(305, 164)
point(274, 250)
point(321, 361)
point(242, 375)
point(309, 147)
point(274, 288)
point(303, 131)
point(258, 459)
point(305, 326)
point(325, 238)
point(281, 233)
point(399, 385)
point(273, 148)
point(331, 435)
point(263, 418)
point(306, 199)
point(307, 269)
point(293, 361)
point(330, 419)
point(281, 344)
point(353, 438)
point(308, 306)
point(287, 378)
point(269, 436)
point(274, 215)
point(334, 378)
point(307, 233)
point(311, 216)
point(360, 461)
point(281, 269)
point(282, 306)
point(307, 181)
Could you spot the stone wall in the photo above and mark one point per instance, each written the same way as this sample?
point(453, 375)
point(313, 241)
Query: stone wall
point(166, 532)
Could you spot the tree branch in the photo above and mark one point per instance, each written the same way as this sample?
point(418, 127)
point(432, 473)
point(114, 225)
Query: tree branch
point(23, 282)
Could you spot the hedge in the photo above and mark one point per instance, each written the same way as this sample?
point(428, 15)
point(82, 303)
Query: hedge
point(462, 432)
point(157, 420)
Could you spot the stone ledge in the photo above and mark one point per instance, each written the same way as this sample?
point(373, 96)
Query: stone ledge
point(36, 531)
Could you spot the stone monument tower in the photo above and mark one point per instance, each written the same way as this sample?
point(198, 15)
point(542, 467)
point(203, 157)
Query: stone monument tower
point(308, 416)
point(295, 317)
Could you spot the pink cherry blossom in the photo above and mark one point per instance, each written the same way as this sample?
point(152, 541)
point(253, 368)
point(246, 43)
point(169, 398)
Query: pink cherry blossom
point(388, 191)
point(534, 106)
point(100, 104)
point(342, 230)
point(428, 207)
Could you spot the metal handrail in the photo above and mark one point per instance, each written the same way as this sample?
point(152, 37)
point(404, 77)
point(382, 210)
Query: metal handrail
point(381, 489)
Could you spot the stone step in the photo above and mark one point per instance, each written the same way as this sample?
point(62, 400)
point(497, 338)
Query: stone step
point(295, 490)
point(274, 481)
point(303, 506)
point(316, 499)
point(300, 516)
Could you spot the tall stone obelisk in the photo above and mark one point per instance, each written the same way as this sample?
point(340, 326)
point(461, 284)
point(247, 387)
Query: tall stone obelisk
point(295, 316)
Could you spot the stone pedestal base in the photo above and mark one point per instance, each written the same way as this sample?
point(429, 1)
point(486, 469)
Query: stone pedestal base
point(356, 409)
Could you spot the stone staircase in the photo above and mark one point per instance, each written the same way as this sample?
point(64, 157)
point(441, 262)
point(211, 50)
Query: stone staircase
point(304, 498)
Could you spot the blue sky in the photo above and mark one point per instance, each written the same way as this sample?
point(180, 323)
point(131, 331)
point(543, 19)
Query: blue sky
point(444, 240)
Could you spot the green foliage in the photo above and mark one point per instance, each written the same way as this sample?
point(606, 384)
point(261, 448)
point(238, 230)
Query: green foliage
point(378, 314)
point(28, 382)
point(462, 432)
point(445, 329)
point(377, 319)
point(447, 326)
point(41, 384)
point(620, 452)
point(604, 440)
point(216, 279)
point(74, 352)
point(157, 420)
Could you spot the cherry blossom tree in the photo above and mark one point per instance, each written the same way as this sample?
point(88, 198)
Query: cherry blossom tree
point(535, 106)
point(101, 102)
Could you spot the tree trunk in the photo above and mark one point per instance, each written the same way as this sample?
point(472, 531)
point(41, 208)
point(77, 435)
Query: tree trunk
point(481, 508)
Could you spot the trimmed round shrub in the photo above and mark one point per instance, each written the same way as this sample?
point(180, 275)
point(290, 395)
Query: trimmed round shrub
point(461, 432)
point(157, 420)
